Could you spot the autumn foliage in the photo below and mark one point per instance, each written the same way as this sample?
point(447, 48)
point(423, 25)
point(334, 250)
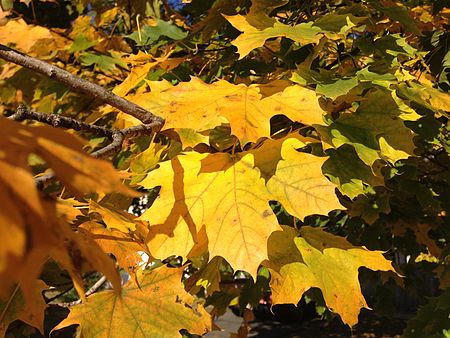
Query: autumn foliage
point(304, 151)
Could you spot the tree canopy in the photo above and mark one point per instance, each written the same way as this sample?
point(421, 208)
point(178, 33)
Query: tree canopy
point(177, 148)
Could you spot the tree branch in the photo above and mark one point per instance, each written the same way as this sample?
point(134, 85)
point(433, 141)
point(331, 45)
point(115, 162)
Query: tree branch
point(89, 292)
point(22, 113)
point(117, 136)
point(81, 86)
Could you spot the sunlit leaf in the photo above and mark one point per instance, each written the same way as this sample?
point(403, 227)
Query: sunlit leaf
point(299, 185)
point(320, 259)
point(157, 307)
point(211, 191)
point(253, 37)
point(200, 106)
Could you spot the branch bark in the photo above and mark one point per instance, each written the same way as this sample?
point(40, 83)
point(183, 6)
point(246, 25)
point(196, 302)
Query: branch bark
point(81, 86)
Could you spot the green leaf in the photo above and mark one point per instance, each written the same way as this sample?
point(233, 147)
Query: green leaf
point(389, 47)
point(81, 43)
point(398, 12)
point(352, 176)
point(432, 319)
point(375, 129)
point(338, 23)
point(150, 34)
point(337, 88)
point(105, 63)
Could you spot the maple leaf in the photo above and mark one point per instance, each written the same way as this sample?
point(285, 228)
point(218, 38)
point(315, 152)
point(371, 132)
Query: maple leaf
point(30, 219)
point(428, 97)
point(258, 15)
point(114, 219)
point(105, 63)
point(208, 277)
point(22, 35)
point(253, 37)
point(124, 246)
point(149, 34)
point(200, 106)
point(299, 185)
point(142, 64)
point(211, 191)
point(158, 307)
point(30, 312)
point(320, 259)
point(352, 180)
point(67, 209)
point(225, 156)
point(376, 130)
point(227, 196)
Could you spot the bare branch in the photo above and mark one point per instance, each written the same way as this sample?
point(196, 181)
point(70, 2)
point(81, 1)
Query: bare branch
point(81, 86)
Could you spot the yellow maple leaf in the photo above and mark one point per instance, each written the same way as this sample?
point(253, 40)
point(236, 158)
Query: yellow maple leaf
point(227, 196)
point(69, 209)
point(200, 106)
point(253, 37)
point(142, 64)
point(30, 38)
point(114, 219)
point(320, 259)
point(27, 218)
point(158, 307)
point(299, 185)
point(125, 247)
point(220, 192)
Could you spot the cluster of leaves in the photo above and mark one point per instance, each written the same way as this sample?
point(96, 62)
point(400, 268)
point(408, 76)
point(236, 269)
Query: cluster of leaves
point(288, 126)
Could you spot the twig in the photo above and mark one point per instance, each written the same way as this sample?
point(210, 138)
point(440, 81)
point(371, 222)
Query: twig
point(117, 140)
point(89, 292)
point(81, 86)
point(96, 286)
point(117, 136)
point(23, 113)
point(51, 299)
